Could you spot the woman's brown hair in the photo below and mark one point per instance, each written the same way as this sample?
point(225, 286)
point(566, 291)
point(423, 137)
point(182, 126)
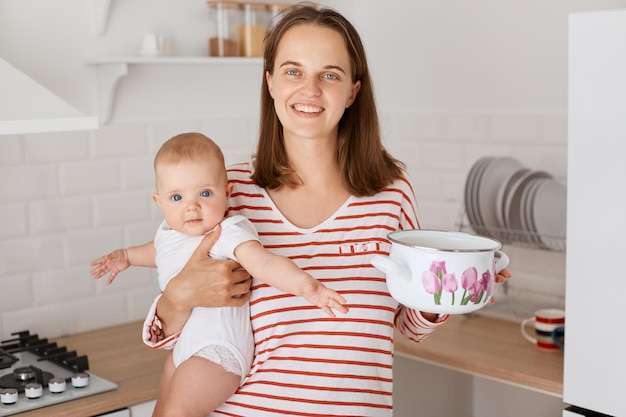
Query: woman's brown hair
point(367, 167)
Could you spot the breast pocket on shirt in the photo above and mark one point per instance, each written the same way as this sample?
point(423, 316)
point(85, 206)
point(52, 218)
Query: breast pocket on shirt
point(363, 248)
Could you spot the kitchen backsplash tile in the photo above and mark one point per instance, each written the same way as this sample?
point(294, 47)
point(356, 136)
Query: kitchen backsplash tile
point(121, 208)
point(70, 317)
point(135, 234)
point(48, 320)
point(85, 177)
point(116, 140)
point(555, 129)
point(138, 300)
point(19, 296)
point(18, 226)
point(137, 173)
point(78, 245)
point(56, 146)
point(465, 127)
point(59, 214)
point(516, 128)
point(52, 287)
point(104, 310)
point(66, 211)
point(30, 254)
point(27, 182)
point(11, 150)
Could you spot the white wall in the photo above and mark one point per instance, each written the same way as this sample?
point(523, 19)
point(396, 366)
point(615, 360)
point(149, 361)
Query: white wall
point(455, 81)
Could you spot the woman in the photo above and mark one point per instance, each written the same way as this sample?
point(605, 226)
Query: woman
point(323, 191)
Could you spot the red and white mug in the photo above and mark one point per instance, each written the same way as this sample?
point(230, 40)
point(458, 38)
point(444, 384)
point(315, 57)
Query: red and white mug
point(545, 321)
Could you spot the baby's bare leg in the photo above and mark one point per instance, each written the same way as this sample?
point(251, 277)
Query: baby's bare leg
point(164, 384)
point(197, 387)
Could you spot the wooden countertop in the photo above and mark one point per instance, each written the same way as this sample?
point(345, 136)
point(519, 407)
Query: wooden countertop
point(489, 348)
point(478, 345)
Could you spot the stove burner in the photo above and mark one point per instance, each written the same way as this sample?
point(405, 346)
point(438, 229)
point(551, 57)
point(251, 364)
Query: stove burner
point(23, 376)
point(6, 359)
point(24, 373)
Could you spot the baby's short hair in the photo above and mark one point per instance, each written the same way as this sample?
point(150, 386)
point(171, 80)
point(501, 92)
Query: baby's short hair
point(191, 146)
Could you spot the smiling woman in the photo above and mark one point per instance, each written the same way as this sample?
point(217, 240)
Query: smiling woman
point(322, 191)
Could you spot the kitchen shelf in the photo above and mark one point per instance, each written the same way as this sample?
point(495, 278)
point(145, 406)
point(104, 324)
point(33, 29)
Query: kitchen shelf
point(110, 71)
point(32, 108)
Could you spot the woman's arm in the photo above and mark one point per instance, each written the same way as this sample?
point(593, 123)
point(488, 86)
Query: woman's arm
point(203, 282)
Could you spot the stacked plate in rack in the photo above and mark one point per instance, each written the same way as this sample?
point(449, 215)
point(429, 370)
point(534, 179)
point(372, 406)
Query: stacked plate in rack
point(511, 202)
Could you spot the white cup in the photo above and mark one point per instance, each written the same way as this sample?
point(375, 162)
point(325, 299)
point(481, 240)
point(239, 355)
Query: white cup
point(544, 321)
point(154, 45)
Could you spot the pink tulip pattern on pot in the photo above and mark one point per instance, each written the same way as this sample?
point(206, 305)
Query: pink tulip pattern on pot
point(437, 280)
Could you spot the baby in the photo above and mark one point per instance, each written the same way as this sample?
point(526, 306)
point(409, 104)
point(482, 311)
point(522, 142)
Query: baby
point(214, 351)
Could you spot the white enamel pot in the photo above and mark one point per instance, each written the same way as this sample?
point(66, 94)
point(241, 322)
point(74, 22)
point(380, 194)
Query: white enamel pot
point(441, 271)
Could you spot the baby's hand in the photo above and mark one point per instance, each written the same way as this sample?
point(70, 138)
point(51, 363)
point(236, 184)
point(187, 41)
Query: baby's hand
point(113, 263)
point(318, 294)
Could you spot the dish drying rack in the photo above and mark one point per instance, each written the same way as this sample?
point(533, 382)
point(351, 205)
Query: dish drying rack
point(522, 238)
point(505, 200)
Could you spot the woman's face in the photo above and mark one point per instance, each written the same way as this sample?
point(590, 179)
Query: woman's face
point(312, 83)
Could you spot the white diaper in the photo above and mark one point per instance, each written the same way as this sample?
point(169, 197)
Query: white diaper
point(222, 335)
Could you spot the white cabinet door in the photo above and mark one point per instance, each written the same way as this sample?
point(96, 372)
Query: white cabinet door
point(143, 409)
point(595, 368)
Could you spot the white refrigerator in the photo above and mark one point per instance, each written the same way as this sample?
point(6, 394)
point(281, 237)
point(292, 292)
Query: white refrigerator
point(595, 324)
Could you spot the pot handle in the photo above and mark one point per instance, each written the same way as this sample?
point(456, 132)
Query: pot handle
point(390, 267)
point(502, 261)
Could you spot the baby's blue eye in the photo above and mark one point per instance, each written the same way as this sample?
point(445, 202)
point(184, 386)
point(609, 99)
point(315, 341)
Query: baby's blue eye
point(176, 197)
point(205, 193)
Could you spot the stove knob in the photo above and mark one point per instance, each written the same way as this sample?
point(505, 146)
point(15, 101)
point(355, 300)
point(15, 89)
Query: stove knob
point(33, 390)
point(56, 385)
point(8, 396)
point(80, 380)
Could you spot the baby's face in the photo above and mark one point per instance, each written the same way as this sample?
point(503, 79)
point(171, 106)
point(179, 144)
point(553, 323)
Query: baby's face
point(192, 195)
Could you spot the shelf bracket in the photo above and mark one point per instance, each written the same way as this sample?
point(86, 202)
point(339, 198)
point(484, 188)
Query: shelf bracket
point(109, 76)
point(100, 15)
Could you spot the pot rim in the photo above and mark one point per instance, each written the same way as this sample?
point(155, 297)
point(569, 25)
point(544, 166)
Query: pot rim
point(496, 243)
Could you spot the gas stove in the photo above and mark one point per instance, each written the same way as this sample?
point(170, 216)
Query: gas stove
point(36, 373)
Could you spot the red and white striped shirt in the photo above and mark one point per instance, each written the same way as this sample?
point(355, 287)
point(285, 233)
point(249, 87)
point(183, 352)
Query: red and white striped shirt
point(306, 363)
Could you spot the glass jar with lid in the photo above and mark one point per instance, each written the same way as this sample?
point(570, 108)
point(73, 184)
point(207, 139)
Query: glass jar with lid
point(225, 18)
point(252, 30)
point(275, 9)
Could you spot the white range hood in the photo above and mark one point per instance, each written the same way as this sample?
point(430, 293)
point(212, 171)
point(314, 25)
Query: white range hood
point(28, 107)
